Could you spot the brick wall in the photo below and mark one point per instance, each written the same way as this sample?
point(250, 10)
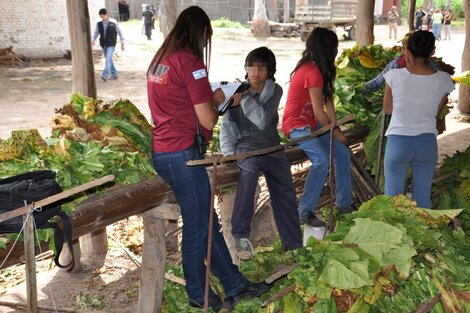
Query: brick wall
point(39, 28)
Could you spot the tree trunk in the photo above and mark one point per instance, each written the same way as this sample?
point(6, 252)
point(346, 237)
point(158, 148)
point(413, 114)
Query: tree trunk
point(464, 91)
point(411, 15)
point(427, 4)
point(82, 58)
point(261, 27)
point(135, 9)
point(168, 15)
point(365, 23)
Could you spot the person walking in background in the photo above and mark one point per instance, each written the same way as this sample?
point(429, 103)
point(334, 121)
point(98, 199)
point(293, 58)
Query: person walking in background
point(148, 17)
point(428, 20)
point(420, 14)
point(182, 105)
point(108, 29)
point(393, 18)
point(309, 107)
point(413, 97)
point(447, 23)
point(437, 18)
point(249, 126)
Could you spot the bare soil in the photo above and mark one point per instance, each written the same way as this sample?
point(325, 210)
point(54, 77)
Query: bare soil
point(31, 91)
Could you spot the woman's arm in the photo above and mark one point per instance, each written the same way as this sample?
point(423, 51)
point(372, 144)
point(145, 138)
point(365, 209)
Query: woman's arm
point(207, 112)
point(388, 100)
point(322, 117)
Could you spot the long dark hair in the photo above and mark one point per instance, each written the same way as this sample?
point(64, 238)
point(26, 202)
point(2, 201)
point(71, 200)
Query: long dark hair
point(192, 30)
point(321, 48)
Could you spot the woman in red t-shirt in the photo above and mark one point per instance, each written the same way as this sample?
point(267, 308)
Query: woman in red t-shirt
point(182, 102)
point(310, 106)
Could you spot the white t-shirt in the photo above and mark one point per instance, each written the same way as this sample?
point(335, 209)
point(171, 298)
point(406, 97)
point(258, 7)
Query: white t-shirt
point(416, 100)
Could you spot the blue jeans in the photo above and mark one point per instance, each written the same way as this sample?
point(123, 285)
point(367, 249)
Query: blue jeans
point(318, 151)
point(109, 68)
point(436, 30)
point(421, 152)
point(191, 187)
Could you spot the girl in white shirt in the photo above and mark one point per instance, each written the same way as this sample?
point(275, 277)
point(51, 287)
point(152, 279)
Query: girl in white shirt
point(413, 96)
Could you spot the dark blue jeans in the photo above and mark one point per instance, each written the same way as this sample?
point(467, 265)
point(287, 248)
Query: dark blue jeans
point(191, 188)
point(282, 192)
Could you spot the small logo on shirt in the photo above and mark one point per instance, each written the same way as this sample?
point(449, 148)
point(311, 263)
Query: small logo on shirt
point(200, 74)
point(161, 75)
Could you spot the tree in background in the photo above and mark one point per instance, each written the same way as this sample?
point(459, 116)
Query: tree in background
point(260, 20)
point(464, 91)
point(168, 15)
point(365, 23)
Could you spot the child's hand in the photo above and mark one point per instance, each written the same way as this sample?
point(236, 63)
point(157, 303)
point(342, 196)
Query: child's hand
point(218, 96)
point(237, 97)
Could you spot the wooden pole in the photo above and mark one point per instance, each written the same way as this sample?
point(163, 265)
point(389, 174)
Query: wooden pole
point(331, 183)
point(57, 197)
point(209, 237)
point(31, 286)
point(286, 11)
point(152, 274)
point(234, 157)
point(80, 41)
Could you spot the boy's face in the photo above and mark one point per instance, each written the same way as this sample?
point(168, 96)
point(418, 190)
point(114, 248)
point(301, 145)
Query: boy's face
point(104, 17)
point(257, 72)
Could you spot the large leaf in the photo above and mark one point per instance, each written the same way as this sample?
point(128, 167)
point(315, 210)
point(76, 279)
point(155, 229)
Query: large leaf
point(374, 237)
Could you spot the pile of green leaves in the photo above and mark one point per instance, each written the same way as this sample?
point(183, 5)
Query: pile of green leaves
point(355, 67)
point(90, 139)
point(389, 256)
point(456, 188)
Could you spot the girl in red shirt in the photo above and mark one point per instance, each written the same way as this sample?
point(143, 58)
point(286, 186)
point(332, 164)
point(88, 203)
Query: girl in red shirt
point(309, 107)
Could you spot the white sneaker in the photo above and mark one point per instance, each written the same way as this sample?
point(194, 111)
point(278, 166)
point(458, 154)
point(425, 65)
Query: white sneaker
point(244, 248)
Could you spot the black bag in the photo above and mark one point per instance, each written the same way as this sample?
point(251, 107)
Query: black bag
point(23, 189)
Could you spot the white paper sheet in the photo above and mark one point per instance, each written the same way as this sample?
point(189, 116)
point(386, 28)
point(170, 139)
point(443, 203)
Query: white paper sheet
point(228, 88)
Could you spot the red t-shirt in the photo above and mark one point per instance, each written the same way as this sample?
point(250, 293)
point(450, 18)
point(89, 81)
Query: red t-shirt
point(179, 82)
point(299, 111)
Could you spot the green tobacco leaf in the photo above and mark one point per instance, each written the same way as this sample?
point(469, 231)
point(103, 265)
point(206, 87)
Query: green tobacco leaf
point(325, 306)
point(338, 275)
point(293, 303)
point(360, 306)
point(374, 237)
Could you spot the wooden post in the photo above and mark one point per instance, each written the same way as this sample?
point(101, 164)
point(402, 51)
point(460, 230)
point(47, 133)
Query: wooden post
point(226, 201)
point(152, 274)
point(84, 82)
point(286, 11)
point(95, 243)
point(31, 287)
point(80, 41)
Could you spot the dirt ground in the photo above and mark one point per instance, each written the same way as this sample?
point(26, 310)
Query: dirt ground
point(31, 91)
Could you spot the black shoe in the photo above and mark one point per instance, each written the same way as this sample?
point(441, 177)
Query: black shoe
point(312, 220)
point(214, 302)
point(349, 209)
point(252, 290)
point(103, 78)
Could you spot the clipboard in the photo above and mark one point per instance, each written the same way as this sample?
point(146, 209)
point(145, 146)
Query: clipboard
point(229, 90)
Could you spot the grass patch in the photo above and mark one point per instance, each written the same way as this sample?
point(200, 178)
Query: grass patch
point(226, 23)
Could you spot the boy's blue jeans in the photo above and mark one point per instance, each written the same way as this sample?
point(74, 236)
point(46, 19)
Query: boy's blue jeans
point(192, 190)
point(421, 152)
point(318, 151)
point(109, 68)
